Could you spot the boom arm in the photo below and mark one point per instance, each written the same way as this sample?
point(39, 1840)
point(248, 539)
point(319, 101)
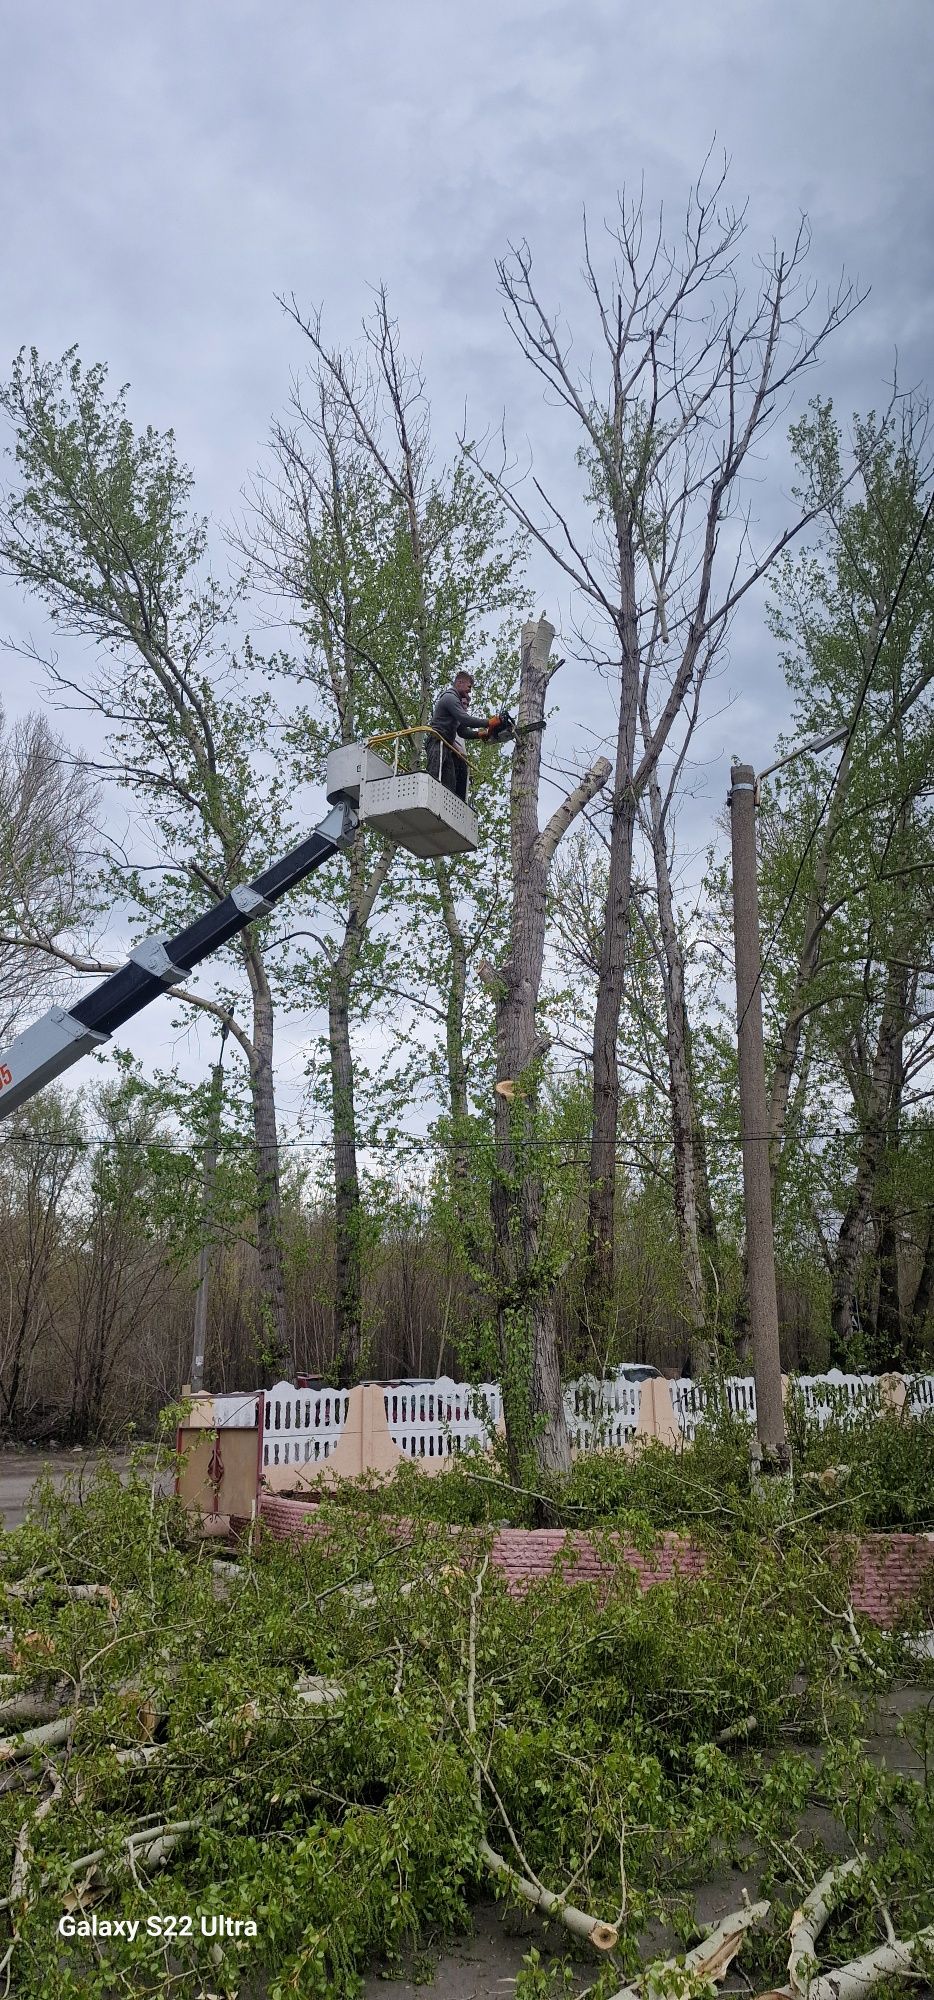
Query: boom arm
point(64, 1035)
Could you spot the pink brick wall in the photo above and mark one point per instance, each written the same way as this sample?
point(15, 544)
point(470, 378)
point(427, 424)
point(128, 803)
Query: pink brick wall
point(888, 1573)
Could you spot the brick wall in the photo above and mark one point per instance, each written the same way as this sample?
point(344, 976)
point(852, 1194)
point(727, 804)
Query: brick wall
point(888, 1572)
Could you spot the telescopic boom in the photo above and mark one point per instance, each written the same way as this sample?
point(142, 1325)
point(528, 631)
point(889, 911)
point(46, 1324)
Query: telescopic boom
point(64, 1035)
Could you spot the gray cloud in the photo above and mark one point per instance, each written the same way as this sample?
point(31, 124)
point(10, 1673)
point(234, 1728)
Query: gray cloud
point(166, 170)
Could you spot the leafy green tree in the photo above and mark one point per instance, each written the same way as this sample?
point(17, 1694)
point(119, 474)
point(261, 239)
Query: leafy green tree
point(46, 866)
point(98, 524)
point(41, 1151)
point(848, 863)
point(397, 573)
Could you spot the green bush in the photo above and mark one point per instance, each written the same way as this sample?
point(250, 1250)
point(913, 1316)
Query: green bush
point(871, 1472)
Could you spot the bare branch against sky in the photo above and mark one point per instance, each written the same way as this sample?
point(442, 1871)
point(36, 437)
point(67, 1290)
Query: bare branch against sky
point(167, 172)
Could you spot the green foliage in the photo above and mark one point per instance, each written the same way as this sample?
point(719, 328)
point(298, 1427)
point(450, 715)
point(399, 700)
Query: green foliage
point(872, 1472)
point(348, 1834)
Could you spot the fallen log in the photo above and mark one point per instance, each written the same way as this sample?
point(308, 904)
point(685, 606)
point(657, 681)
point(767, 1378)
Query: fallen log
point(13, 1748)
point(89, 1593)
point(811, 1916)
point(30, 1708)
point(20, 1897)
point(151, 1845)
point(603, 1937)
point(711, 1959)
point(857, 1977)
point(312, 1690)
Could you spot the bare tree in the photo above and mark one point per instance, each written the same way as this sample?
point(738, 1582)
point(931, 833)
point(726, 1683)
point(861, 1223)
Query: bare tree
point(694, 375)
point(524, 1279)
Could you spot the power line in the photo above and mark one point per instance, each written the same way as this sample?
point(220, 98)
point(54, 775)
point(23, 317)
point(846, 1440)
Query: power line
point(709, 1143)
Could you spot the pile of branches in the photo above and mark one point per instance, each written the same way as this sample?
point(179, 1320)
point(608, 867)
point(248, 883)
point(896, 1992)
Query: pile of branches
point(347, 1742)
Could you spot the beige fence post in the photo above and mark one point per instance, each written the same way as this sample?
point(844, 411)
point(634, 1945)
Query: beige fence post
point(667, 1428)
point(893, 1392)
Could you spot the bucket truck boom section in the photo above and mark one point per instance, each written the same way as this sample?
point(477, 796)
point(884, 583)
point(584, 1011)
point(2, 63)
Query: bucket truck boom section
point(413, 812)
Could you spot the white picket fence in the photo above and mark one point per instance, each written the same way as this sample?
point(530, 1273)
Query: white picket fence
point(300, 1426)
point(601, 1416)
point(834, 1397)
point(693, 1401)
point(437, 1419)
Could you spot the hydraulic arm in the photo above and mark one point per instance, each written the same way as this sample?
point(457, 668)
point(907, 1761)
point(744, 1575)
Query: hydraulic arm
point(64, 1035)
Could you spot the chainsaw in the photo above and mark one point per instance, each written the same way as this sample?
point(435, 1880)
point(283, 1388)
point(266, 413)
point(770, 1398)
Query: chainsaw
point(502, 729)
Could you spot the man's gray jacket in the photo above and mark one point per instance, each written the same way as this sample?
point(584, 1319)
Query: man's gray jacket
point(450, 718)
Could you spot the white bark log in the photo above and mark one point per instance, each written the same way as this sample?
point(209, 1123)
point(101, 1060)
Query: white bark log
point(51, 1733)
point(711, 1959)
point(603, 1937)
point(809, 1919)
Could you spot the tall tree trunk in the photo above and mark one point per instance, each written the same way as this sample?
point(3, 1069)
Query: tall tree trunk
point(612, 972)
point(888, 1336)
point(684, 1119)
point(266, 1137)
point(348, 1212)
point(533, 1406)
point(454, 1031)
point(807, 967)
point(888, 1329)
point(708, 1240)
point(874, 1121)
point(913, 1347)
point(348, 1285)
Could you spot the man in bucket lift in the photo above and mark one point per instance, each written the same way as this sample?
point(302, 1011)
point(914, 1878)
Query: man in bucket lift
point(446, 760)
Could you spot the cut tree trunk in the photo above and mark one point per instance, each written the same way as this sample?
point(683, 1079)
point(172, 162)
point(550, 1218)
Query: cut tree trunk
point(348, 1214)
point(454, 1031)
point(348, 1304)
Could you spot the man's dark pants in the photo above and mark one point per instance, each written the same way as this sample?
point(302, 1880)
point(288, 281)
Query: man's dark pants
point(447, 765)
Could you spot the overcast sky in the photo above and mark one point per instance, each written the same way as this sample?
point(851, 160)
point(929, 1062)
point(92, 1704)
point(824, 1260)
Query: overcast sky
point(166, 170)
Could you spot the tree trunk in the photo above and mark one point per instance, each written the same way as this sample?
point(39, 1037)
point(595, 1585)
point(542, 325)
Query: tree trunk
point(874, 1121)
point(888, 1327)
point(454, 1031)
point(533, 1406)
point(602, 1197)
point(268, 1197)
point(708, 1239)
point(684, 1120)
point(348, 1211)
point(348, 1299)
point(888, 1336)
point(921, 1305)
